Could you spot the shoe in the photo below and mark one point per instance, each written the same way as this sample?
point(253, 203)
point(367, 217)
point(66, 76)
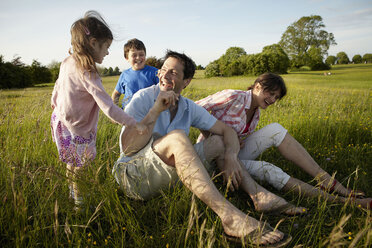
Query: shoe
point(256, 234)
point(283, 210)
point(79, 201)
point(353, 193)
point(72, 193)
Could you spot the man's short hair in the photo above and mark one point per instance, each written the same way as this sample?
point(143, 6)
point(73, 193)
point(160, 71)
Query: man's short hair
point(188, 63)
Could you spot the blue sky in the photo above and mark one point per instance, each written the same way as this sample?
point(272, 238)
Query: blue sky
point(202, 29)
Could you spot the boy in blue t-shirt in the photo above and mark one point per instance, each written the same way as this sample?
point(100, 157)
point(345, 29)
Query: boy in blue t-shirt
point(137, 77)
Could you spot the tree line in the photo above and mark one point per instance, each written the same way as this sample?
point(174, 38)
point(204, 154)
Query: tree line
point(304, 43)
point(16, 74)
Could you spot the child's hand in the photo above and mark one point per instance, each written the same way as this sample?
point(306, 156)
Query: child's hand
point(141, 129)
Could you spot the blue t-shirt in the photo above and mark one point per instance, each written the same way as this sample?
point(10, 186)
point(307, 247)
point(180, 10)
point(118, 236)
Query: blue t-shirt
point(130, 81)
point(189, 114)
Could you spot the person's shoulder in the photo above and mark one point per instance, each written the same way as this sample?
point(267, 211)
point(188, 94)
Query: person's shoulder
point(150, 68)
point(231, 93)
point(69, 61)
point(127, 71)
point(191, 103)
point(149, 91)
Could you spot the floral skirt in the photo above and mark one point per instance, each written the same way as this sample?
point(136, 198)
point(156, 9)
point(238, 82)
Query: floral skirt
point(72, 149)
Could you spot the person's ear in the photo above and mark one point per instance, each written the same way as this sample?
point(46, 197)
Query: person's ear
point(93, 42)
point(257, 87)
point(186, 82)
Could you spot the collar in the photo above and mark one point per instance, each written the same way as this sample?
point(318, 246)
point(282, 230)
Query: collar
point(248, 99)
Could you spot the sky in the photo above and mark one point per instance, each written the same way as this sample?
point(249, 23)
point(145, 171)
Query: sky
point(202, 29)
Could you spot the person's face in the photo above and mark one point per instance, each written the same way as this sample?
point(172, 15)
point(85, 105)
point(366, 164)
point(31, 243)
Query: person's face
point(136, 59)
point(100, 50)
point(171, 76)
point(265, 98)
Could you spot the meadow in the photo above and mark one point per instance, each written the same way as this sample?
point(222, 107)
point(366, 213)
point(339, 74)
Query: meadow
point(329, 115)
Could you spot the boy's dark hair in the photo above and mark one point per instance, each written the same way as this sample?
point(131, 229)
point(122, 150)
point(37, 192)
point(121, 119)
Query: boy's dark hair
point(133, 44)
point(271, 82)
point(188, 64)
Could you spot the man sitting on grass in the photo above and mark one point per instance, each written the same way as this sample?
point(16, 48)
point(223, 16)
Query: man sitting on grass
point(151, 161)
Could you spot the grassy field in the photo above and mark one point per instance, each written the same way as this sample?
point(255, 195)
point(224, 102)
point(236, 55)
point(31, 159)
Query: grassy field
point(329, 115)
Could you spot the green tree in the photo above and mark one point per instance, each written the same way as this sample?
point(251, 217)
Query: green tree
point(228, 62)
point(279, 61)
point(54, 70)
point(357, 59)
point(367, 58)
point(155, 62)
point(110, 71)
point(14, 74)
point(331, 60)
point(39, 74)
point(315, 59)
point(212, 69)
point(342, 58)
point(301, 35)
point(116, 71)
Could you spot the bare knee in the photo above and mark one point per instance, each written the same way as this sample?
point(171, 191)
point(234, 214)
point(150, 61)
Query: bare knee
point(214, 147)
point(177, 137)
point(173, 143)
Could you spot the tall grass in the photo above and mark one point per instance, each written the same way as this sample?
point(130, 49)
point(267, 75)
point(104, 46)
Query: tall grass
point(329, 115)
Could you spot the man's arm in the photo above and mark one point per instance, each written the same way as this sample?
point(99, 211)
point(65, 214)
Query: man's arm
point(115, 96)
point(132, 141)
point(232, 166)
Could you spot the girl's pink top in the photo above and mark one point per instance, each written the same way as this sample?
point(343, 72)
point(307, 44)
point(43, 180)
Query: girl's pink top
point(78, 97)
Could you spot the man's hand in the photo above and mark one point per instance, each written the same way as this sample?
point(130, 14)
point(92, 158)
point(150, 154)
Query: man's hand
point(165, 100)
point(231, 170)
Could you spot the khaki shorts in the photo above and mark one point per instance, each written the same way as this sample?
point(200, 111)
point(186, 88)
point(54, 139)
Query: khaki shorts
point(144, 175)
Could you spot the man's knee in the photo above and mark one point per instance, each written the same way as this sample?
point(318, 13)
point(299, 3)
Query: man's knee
point(173, 141)
point(177, 137)
point(214, 147)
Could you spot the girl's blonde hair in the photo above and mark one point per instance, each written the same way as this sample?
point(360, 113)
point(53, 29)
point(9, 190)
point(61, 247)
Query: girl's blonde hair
point(90, 26)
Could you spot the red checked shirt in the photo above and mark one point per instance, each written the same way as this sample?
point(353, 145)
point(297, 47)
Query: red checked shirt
point(229, 107)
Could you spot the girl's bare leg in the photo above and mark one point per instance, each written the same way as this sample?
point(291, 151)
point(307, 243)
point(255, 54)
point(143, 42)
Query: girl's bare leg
point(307, 190)
point(292, 150)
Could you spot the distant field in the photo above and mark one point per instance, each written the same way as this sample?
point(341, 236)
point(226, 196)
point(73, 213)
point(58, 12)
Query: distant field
point(329, 115)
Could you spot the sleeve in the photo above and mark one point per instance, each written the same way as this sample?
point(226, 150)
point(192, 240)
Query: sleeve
point(94, 86)
point(139, 106)
point(120, 86)
point(54, 95)
point(217, 101)
point(201, 118)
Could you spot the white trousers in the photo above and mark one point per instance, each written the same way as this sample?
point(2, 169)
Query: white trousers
point(255, 144)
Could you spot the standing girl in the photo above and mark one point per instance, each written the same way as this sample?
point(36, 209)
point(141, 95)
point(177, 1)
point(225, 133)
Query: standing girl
point(79, 94)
